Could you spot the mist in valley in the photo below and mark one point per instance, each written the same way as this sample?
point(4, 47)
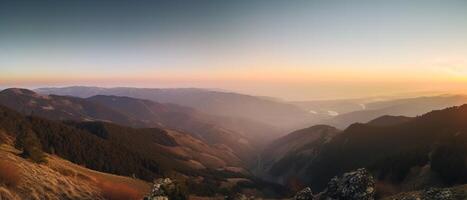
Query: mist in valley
point(235, 100)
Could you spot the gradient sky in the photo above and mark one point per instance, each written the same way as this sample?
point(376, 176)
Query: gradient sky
point(291, 49)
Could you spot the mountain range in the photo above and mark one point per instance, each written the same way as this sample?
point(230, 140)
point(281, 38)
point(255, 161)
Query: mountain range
point(241, 135)
point(143, 153)
point(282, 115)
point(133, 135)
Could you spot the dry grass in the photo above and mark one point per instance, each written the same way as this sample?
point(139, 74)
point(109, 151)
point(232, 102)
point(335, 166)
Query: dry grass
point(86, 175)
point(65, 171)
point(110, 187)
point(5, 194)
point(39, 181)
point(60, 179)
point(72, 173)
point(118, 191)
point(10, 174)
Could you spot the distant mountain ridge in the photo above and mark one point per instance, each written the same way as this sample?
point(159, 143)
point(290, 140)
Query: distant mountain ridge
point(60, 107)
point(388, 120)
point(243, 136)
point(409, 107)
point(280, 114)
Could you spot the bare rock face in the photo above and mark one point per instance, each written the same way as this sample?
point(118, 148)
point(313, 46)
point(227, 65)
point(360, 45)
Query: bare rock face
point(159, 189)
point(437, 193)
point(430, 194)
point(305, 194)
point(356, 185)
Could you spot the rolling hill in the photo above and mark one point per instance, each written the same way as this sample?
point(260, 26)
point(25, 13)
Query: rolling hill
point(244, 137)
point(282, 115)
point(60, 107)
point(145, 153)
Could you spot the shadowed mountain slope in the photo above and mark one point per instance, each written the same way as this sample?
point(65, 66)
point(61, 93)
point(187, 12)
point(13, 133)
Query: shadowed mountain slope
point(244, 137)
point(144, 153)
point(427, 150)
point(287, 157)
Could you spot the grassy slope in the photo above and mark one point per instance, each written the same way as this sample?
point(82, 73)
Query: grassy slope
point(61, 179)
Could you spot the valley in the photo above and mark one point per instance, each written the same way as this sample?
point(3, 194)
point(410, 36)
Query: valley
point(214, 155)
point(233, 100)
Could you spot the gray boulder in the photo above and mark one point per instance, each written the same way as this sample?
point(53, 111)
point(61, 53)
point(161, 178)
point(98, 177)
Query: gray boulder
point(305, 194)
point(429, 194)
point(159, 188)
point(356, 185)
point(438, 194)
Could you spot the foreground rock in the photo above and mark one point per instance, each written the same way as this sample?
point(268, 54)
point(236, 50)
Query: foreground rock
point(356, 185)
point(165, 189)
point(436, 193)
point(305, 194)
point(455, 193)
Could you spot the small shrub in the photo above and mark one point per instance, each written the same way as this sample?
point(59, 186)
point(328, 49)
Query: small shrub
point(10, 174)
point(119, 191)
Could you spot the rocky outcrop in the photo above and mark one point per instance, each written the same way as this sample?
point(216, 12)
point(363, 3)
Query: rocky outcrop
point(438, 193)
point(356, 185)
point(305, 194)
point(430, 194)
point(160, 189)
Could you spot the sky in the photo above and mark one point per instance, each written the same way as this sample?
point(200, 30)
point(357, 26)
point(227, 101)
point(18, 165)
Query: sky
point(291, 49)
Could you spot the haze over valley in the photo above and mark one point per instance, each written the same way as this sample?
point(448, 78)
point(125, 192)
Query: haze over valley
point(234, 100)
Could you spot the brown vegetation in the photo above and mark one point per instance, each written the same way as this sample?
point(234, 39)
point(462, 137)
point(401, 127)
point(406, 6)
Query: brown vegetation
point(65, 171)
point(5, 194)
point(10, 174)
point(118, 191)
